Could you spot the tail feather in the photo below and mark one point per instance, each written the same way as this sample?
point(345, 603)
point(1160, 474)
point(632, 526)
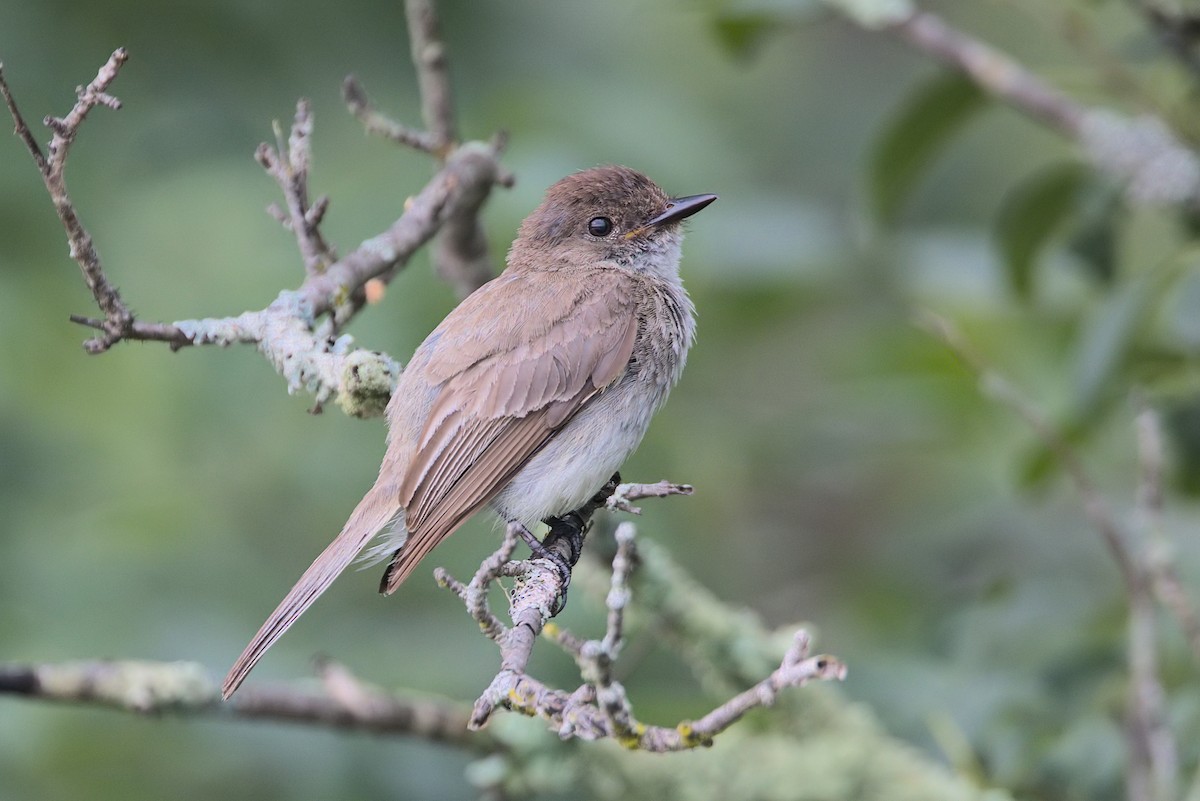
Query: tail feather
point(377, 509)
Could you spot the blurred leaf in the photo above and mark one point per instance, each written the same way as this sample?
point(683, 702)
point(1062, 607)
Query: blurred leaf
point(1107, 338)
point(742, 34)
point(1032, 211)
point(1183, 430)
point(1106, 348)
point(1094, 237)
point(1041, 463)
point(742, 27)
point(926, 121)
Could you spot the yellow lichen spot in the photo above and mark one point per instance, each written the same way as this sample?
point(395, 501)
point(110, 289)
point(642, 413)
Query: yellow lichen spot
point(632, 739)
point(551, 630)
point(689, 736)
point(341, 295)
point(519, 703)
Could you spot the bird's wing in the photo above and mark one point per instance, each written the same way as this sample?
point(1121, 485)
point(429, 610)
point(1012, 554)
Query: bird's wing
point(507, 382)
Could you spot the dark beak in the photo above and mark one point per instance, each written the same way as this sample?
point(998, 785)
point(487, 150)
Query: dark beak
point(680, 208)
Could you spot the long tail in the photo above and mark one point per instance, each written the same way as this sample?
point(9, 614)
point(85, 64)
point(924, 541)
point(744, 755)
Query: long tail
point(377, 509)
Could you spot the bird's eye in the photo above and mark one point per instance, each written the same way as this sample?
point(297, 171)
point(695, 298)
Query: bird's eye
point(600, 226)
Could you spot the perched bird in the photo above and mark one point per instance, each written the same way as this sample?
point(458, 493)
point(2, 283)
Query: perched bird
point(533, 391)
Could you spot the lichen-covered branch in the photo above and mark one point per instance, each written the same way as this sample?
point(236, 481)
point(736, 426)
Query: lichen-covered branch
point(598, 708)
point(186, 688)
point(300, 331)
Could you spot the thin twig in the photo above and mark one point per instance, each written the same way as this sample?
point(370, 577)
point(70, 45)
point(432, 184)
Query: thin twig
point(433, 74)
point(1164, 579)
point(624, 495)
point(118, 320)
point(21, 128)
point(307, 352)
point(379, 124)
point(289, 164)
point(993, 70)
point(1154, 761)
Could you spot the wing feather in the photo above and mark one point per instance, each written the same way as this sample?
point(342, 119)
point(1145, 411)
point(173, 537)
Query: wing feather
point(511, 389)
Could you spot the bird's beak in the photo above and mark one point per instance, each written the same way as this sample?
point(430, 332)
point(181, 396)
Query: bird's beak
point(680, 208)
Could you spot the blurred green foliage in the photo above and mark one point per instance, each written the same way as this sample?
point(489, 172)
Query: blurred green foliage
point(157, 505)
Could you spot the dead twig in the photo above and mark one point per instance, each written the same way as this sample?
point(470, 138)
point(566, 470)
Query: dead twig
point(289, 164)
point(299, 332)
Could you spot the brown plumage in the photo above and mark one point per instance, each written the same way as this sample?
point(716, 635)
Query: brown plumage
point(531, 392)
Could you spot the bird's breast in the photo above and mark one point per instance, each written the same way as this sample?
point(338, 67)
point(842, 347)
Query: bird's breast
point(582, 455)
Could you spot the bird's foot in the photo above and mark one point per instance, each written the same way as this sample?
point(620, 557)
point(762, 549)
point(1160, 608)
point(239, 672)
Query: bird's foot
point(563, 544)
point(562, 563)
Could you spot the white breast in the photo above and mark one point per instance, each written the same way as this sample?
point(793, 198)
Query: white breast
point(586, 452)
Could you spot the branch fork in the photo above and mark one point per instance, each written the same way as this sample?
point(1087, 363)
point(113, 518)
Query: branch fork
point(300, 332)
point(599, 707)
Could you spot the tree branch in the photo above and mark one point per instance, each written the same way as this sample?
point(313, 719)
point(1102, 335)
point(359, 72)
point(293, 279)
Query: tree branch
point(433, 74)
point(311, 355)
point(186, 688)
point(288, 163)
point(1142, 152)
point(118, 320)
point(599, 708)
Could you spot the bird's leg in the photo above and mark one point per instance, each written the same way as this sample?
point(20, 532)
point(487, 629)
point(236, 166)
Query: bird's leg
point(563, 544)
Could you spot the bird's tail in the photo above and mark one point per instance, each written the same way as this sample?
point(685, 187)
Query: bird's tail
point(379, 507)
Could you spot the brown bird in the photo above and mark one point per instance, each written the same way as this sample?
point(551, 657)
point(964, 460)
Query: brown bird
point(533, 391)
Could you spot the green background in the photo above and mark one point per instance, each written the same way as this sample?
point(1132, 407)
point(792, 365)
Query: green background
point(848, 473)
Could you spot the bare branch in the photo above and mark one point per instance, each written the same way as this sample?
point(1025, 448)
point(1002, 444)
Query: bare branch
point(118, 320)
point(380, 124)
point(433, 75)
point(997, 73)
point(460, 252)
point(187, 688)
point(1164, 580)
point(21, 128)
point(311, 357)
point(289, 165)
point(622, 497)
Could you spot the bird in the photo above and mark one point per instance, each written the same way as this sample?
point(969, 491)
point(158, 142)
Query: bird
point(532, 392)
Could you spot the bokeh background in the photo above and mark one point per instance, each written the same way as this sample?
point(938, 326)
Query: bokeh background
point(848, 472)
